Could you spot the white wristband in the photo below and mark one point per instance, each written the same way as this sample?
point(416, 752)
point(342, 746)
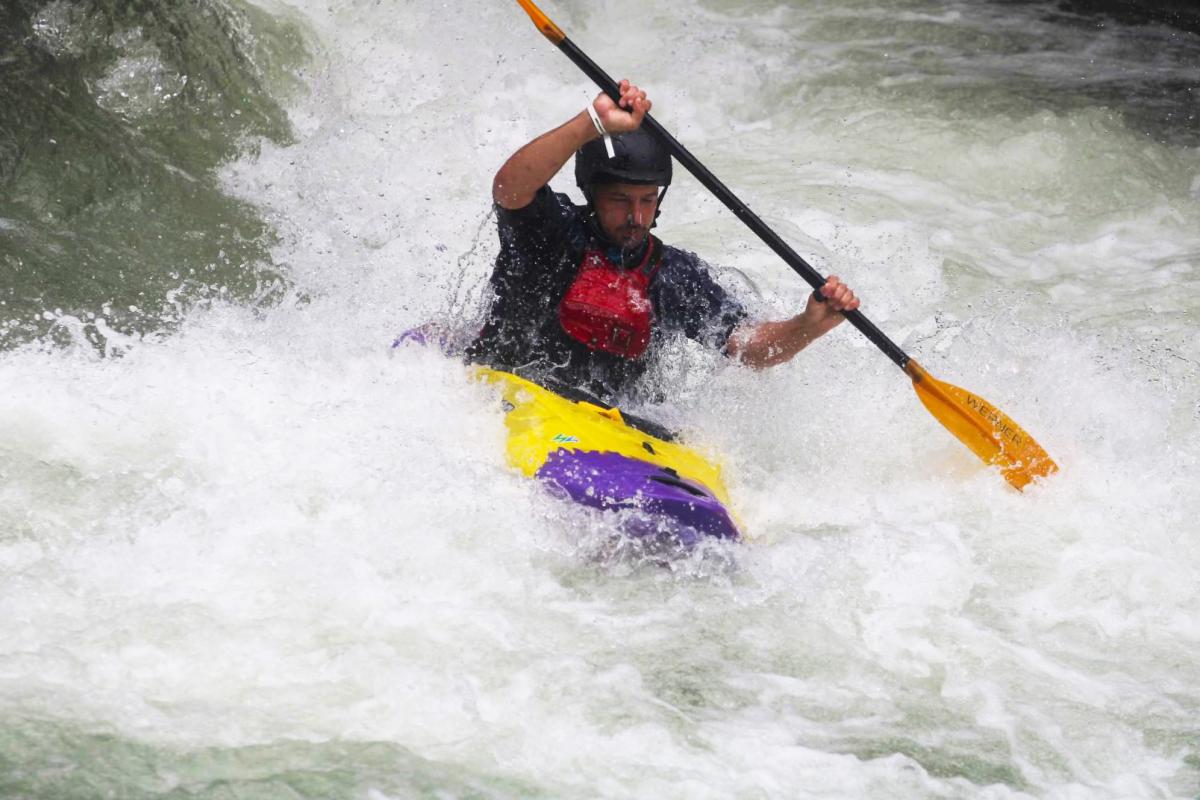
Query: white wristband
point(608, 145)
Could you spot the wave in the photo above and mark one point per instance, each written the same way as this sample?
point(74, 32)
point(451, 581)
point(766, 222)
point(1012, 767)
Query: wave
point(114, 117)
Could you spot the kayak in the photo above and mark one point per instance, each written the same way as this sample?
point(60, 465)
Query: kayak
point(595, 456)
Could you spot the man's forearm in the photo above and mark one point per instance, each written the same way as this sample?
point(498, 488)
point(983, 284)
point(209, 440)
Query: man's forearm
point(532, 167)
point(766, 344)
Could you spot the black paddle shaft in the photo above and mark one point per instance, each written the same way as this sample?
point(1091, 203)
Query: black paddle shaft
point(731, 201)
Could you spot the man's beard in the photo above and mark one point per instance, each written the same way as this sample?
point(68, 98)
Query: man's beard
point(631, 238)
point(628, 239)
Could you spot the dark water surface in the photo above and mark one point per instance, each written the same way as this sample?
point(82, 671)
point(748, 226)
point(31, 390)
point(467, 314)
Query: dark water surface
point(114, 117)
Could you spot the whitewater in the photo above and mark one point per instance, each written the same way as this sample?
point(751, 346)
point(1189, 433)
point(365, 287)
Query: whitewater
point(248, 549)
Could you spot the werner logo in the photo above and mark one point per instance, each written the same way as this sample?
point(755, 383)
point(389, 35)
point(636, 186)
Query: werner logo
point(995, 418)
point(562, 438)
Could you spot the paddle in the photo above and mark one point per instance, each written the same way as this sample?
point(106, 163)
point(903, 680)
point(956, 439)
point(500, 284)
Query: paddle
point(978, 424)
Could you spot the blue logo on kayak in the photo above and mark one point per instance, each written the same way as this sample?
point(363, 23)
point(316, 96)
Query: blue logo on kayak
point(562, 438)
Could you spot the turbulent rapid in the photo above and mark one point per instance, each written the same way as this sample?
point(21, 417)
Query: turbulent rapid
point(247, 549)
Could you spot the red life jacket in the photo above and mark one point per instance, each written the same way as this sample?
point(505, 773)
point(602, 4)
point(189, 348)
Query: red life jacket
point(608, 308)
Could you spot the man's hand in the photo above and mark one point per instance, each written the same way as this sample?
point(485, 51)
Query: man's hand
point(624, 116)
point(826, 315)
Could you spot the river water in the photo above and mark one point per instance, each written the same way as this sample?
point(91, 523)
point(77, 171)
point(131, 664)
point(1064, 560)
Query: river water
point(248, 551)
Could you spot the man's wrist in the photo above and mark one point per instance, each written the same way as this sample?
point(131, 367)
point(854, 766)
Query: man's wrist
point(582, 126)
point(818, 322)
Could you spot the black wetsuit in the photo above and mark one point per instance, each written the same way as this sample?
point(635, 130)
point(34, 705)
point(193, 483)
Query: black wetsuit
point(541, 248)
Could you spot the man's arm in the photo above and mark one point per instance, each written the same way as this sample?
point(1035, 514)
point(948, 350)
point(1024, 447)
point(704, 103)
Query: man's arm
point(765, 344)
point(532, 167)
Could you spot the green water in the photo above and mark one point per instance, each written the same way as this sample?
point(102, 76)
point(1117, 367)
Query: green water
point(53, 760)
point(114, 117)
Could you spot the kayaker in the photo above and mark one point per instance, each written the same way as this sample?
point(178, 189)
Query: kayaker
point(583, 293)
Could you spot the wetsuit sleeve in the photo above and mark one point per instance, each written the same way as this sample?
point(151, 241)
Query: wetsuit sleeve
point(526, 279)
point(692, 303)
point(533, 234)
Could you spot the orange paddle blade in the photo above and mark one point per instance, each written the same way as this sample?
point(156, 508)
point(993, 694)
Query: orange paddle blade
point(987, 431)
point(543, 23)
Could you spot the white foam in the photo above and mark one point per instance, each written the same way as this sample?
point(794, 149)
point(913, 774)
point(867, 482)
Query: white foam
point(269, 528)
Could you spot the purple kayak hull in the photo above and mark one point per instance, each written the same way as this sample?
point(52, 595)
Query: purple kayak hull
point(670, 506)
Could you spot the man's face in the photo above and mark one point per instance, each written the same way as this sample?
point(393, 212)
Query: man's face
point(625, 211)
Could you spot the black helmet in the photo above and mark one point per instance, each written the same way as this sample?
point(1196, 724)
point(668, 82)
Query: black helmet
point(640, 158)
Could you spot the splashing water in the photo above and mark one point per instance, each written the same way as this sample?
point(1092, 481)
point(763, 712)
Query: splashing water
point(246, 550)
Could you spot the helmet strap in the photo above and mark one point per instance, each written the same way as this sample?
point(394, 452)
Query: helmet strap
point(658, 207)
